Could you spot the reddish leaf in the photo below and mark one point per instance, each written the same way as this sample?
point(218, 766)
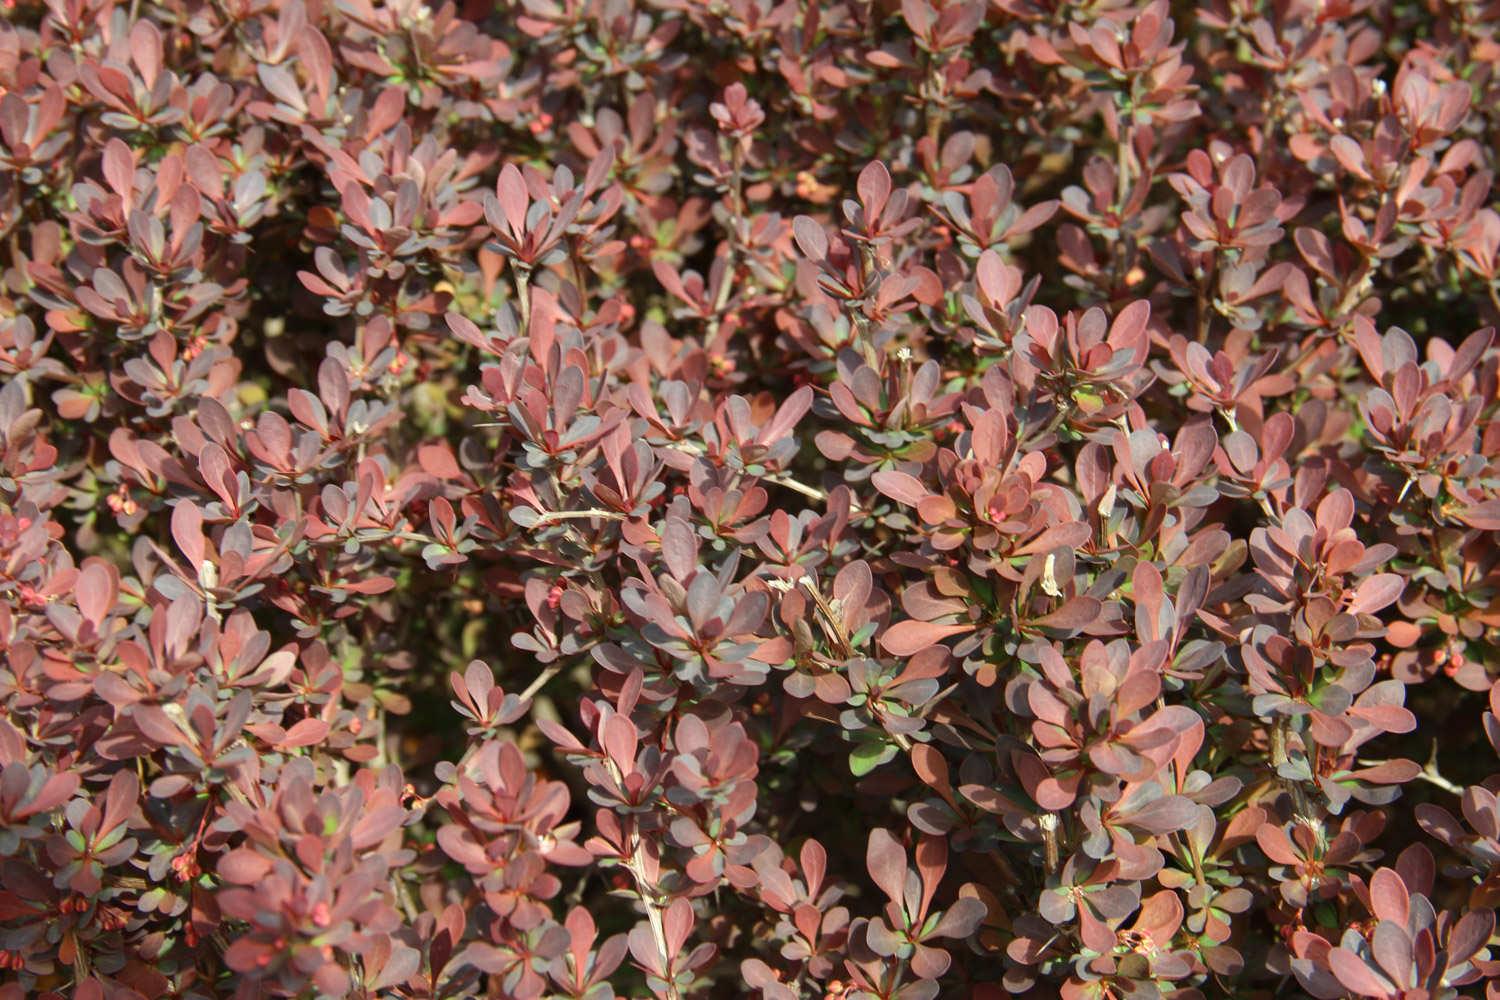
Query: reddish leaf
point(906, 638)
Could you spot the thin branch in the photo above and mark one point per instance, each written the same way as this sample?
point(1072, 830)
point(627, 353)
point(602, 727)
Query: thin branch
point(523, 296)
point(577, 515)
point(541, 681)
point(653, 917)
point(784, 479)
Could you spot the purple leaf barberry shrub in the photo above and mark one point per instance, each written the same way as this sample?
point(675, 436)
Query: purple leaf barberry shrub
point(756, 498)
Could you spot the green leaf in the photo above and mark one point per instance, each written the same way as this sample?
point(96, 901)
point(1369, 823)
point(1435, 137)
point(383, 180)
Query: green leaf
point(866, 757)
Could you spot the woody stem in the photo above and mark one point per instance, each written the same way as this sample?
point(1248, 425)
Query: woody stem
point(647, 892)
point(523, 295)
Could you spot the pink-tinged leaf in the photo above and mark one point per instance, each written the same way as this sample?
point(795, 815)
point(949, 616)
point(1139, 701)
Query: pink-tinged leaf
point(1076, 614)
point(369, 585)
point(937, 509)
point(599, 168)
point(459, 844)
point(928, 763)
point(399, 967)
point(679, 548)
point(1484, 515)
point(1146, 588)
point(1032, 218)
point(814, 864)
point(1130, 325)
point(1096, 934)
point(919, 16)
point(450, 926)
point(1387, 718)
point(1336, 511)
point(119, 168)
point(642, 947)
point(96, 590)
point(787, 416)
point(1357, 977)
point(560, 736)
point(1390, 772)
point(677, 923)
point(1319, 254)
point(1060, 536)
point(1054, 794)
point(440, 516)
point(305, 733)
point(1391, 948)
point(1160, 915)
point(1276, 845)
point(961, 919)
point(759, 976)
point(1350, 155)
point(356, 205)
point(1165, 815)
point(810, 237)
point(387, 111)
point(510, 189)
point(620, 741)
point(1471, 933)
point(580, 925)
point(874, 187)
point(1470, 351)
point(1389, 897)
point(465, 329)
point(120, 800)
point(187, 531)
point(1375, 593)
point(1037, 781)
point(1138, 690)
point(56, 790)
point(886, 860)
point(906, 638)
point(927, 964)
point(243, 866)
point(669, 279)
point(479, 680)
point(157, 727)
point(1276, 435)
point(900, 486)
point(281, 84)
point(248, 954)
point(931, 859)
point(146, 50)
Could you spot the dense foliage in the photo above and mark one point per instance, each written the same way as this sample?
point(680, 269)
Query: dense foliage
point(749, 498)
